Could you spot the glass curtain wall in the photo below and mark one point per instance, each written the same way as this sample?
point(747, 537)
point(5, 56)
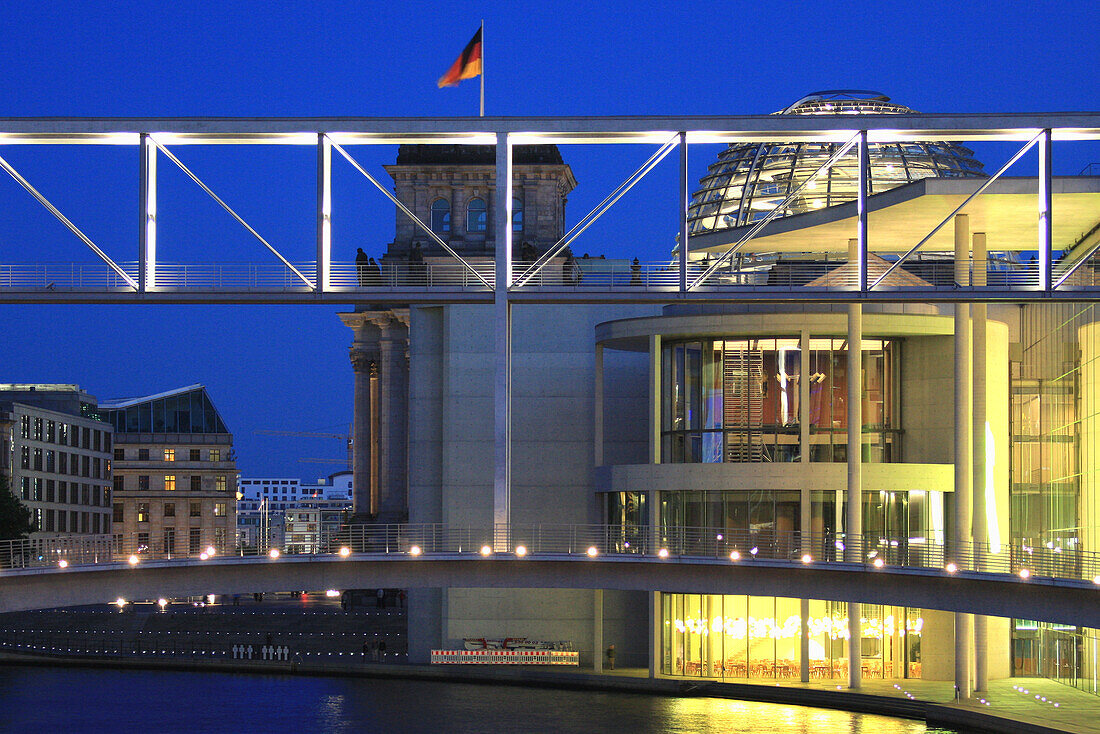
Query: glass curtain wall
point(897, 525)
point(756, 637)
point(738, 400)
point(1055, 430)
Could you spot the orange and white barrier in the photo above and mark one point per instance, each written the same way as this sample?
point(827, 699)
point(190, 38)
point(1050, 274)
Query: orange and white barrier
point(506, 657)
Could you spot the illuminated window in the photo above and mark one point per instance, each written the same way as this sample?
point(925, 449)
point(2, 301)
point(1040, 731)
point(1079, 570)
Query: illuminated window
point(220, 483)
point(477, 215)
point(441, 216)
point(219, 509)
point(169, 454)
point(215, 454)
point(170, 482)
point(143, 512)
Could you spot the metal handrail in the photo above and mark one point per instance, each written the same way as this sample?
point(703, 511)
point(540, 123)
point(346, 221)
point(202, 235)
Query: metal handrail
point(872, 552)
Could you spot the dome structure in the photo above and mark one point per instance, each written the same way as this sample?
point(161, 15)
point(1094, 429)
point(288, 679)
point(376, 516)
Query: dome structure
point(749, 180)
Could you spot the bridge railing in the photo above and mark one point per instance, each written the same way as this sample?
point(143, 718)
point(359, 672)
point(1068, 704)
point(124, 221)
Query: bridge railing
point(624, 541)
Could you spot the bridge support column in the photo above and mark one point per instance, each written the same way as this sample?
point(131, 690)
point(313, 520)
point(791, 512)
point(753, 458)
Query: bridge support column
point(853, 550)
point(597, 630)
point(963, 456)
point(981, 530)
point(502, 315)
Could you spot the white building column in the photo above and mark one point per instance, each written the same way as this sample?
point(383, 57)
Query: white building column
point(963, 457)
point(853, 551)
point(978, 435)
point(653, 498)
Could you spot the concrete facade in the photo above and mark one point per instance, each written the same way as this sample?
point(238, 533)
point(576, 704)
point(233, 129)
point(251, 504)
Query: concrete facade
point(56, 454)
point(174, 491)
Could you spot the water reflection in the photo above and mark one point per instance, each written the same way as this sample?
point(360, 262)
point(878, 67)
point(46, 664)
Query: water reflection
point(60, 699)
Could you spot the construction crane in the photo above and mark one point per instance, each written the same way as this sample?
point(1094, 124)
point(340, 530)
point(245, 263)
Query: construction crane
point(347, 439)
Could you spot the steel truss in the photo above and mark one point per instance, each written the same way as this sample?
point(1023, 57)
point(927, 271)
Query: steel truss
point(325, 281)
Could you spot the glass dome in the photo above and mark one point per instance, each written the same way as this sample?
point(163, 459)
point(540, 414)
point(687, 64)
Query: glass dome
point(751, 179)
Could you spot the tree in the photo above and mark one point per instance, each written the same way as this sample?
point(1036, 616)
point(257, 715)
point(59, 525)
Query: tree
point(15, 518)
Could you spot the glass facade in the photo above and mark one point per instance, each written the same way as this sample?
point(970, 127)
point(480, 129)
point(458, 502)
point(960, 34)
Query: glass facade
point(749, 180)
point(754, 637)
point(189, 412)
point(738, 400)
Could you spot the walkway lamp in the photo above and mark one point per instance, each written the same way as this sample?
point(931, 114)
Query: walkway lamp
point(1096, 579)
point(663, 553)
point(592, 551)
point(65, 564)
point(162, 603)
point(273, 553)
point(345, 551)
point(211, 551)
point(951, 567)
point(807, 558)
point(486, 550)
point(879, 563)
point(735, 556)
point(1025, 574)
point(415, 551)
point(120, 602)
point(203, 556)
point(133, 560)
point(521, 551)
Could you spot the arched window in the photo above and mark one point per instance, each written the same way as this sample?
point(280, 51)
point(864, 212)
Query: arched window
point(517, 215)
point(477, 216)
point(441, 216)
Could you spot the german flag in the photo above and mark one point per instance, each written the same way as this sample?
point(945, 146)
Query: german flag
point(467, 65)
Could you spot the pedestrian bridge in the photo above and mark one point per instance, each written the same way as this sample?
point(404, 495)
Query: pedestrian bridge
point(1043, 584)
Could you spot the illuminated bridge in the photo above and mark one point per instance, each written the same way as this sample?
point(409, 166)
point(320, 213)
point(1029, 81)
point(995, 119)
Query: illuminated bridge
point(1054, 217)
point(72, 571)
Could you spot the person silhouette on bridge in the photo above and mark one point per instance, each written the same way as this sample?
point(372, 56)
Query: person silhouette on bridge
point(362, 266)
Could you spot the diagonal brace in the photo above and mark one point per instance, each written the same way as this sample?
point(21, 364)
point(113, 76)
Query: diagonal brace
point(988, 182)
point(774, 212)
point(416, 220)
point(64, 220)
point(171, 156)
point(596, 213)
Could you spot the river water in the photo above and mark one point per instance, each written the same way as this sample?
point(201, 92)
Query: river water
point(82, 699)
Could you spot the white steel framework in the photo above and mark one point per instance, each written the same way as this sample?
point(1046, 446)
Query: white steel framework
point(326, 281)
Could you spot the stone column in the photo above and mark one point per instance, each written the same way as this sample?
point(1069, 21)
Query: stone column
point(980, 478)
point(380, 423)
point(963, 457)
point(393, 410)
point(364, 362)
point(853, 548)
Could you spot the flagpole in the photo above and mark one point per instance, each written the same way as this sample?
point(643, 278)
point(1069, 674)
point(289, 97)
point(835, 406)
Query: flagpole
point(482, 67)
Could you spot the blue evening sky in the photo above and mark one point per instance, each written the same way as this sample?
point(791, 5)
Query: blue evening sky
point(287, 367)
